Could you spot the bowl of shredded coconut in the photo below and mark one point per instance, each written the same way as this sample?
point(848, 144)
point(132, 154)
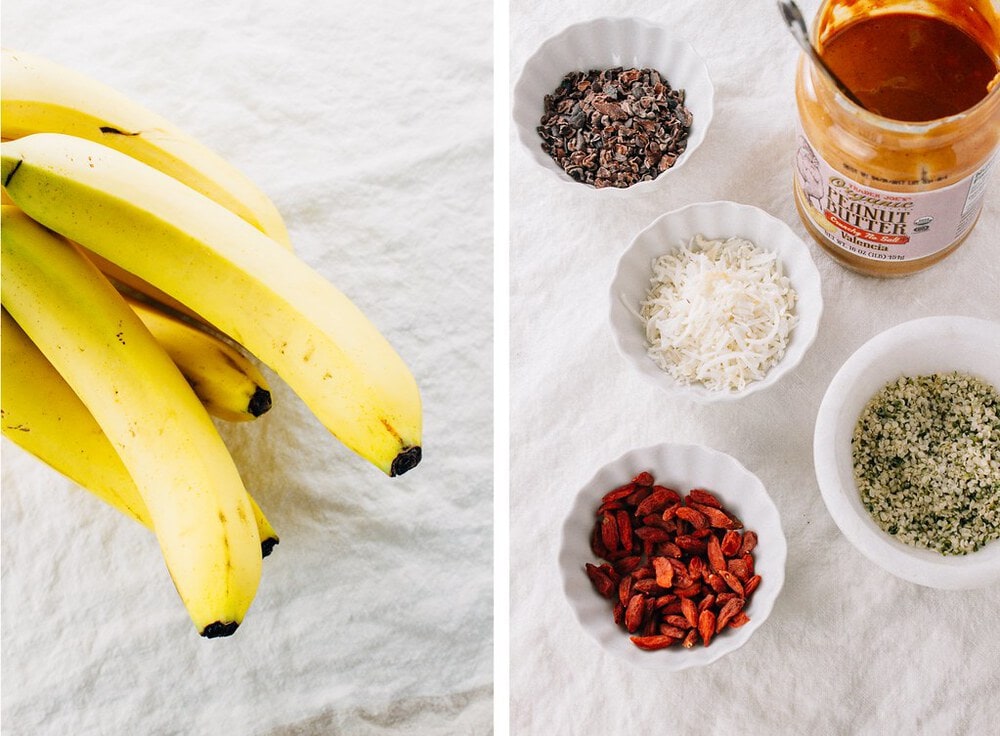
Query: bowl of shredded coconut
point(715, 301)
point(906, 450)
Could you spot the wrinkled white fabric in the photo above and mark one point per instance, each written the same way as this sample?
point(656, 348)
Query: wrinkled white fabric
point(370, 127)
point(848, 649)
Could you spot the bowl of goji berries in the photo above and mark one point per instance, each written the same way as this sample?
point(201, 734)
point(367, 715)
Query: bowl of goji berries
point(672, 556)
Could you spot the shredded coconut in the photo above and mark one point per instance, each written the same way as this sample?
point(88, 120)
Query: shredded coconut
point(718, 313)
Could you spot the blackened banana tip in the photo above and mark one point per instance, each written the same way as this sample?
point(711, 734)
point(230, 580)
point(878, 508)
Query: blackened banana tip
point(218, 629)
point(408, 459)
point(260, 402)
point(267, 546)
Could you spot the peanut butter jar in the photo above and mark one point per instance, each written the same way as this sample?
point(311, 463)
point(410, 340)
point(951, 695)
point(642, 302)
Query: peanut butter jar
point(895, 184)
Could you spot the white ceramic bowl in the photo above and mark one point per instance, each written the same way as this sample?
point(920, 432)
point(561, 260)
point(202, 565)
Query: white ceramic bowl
point(631, 283)
point(918, 347)
point(681, 467)
point(606, 43)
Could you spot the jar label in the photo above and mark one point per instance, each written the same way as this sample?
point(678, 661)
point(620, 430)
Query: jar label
point(881, 225)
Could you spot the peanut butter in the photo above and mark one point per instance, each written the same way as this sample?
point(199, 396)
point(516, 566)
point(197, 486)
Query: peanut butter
point(891, 188)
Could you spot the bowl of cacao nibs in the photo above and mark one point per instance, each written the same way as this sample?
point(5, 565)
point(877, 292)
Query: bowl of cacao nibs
point(906, 450)
point(715, 301)
point(613, 104)
point(672, 556)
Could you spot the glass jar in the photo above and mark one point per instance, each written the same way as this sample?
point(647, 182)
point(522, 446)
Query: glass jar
point(881, 196)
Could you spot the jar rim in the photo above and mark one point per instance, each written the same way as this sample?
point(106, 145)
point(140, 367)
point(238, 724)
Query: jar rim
point(903, 127)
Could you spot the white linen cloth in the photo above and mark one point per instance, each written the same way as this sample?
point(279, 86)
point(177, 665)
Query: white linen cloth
point(369, 125)
point(848, 649)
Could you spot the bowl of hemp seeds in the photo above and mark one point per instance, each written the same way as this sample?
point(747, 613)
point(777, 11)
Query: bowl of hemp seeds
point(614, 104)
point(907, 451)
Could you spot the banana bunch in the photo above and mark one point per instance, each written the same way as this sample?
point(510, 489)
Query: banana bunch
point(44, 416)
point(142, 279)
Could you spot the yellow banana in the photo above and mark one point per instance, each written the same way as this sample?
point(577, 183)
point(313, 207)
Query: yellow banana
point(38, 95)
point(130, 283)
point(43, 416)
point(197, 502)
point(227, 382)
point(33, 404)
point(243, 283)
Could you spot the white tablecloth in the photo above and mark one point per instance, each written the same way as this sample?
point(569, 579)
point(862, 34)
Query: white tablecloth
point(848, 649)
point(369, 124)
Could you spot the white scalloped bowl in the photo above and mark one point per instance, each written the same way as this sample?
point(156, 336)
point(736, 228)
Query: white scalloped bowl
point(713, 220)
point(606, 43)
point(681, 467)
point(918, 347)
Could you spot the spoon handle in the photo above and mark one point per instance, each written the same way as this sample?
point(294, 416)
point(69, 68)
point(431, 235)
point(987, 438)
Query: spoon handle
point(795, 20)
point(797, 25)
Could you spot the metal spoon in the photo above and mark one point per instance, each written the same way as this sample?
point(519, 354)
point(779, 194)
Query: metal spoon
point(797, 25)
